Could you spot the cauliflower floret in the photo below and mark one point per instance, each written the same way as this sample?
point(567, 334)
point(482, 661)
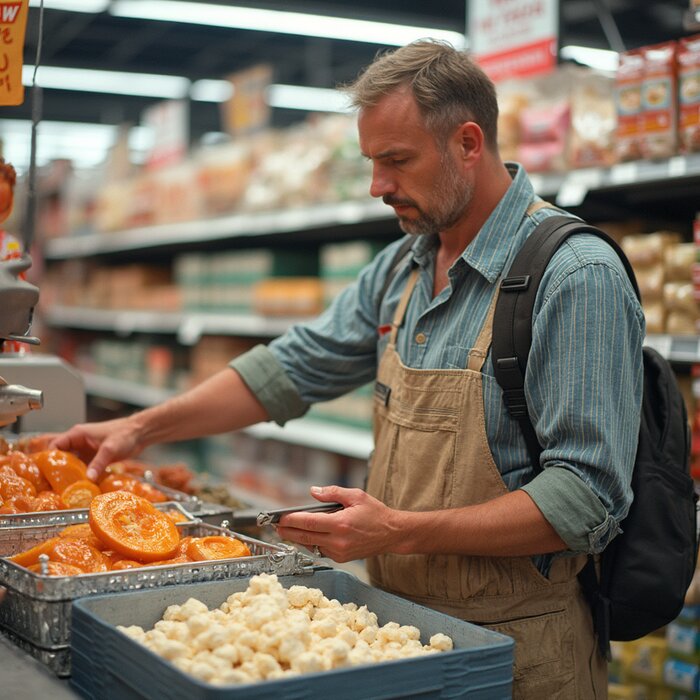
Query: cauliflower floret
point(308, 662)
point(228, 652)
point(255, 616)
point(172, 629)
point(323, 628)
point(441, 642)
point(335, 652)
point(263, 583)
point(369, 635)
point(300, 596)
point(350, 637)
point(266, 664)
point(202, 671)
point(171, 649)
point(357, 656)
point(198, 623)
point(391, 632)
point(182, 663)
point(212, 637)
point(411, 632)
point(232, 677)
point(363, 618)
point(191, 607)
point(233, 602)
point(133, 631)
point(289, 649)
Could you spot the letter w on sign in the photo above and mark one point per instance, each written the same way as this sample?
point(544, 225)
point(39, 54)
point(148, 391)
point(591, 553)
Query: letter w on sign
point(9, 12)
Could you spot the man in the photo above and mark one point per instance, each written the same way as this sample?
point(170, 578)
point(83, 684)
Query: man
point(452, 517)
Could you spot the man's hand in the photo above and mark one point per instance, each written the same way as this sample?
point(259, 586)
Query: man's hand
point(100, 444)
point(364, 527)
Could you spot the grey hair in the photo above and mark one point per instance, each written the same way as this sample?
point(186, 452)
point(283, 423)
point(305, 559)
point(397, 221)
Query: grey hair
point(447, 85)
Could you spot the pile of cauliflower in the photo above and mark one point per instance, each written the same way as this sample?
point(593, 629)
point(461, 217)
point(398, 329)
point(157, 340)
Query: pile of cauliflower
point(269, 632)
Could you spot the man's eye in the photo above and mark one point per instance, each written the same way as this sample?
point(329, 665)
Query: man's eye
point(399, 161)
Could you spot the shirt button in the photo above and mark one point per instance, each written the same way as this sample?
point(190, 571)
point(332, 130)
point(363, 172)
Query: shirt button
point(420, 338)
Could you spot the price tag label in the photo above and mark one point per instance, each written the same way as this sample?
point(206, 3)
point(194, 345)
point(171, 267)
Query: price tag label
point(190, 330)
point(623, 173)
point(571, 193)
point(124, 324)
point(677, 166)
point(537, 182)
point(660, 343)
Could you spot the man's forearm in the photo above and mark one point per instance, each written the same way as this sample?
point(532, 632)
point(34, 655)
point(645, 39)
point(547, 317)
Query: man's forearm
point(220, 404)
point(511, 525)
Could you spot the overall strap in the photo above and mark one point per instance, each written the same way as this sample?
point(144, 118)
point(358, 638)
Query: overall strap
point(403, 304)
point(477, 355)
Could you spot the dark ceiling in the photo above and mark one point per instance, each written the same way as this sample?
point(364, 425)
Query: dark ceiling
point(103, 41)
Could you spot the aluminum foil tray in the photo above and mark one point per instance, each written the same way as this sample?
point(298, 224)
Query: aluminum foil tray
point(38, 608)
point(57, 659)
point(69, 516)
point(189, 504)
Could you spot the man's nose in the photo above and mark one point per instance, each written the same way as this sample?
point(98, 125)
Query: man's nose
point(381, 184)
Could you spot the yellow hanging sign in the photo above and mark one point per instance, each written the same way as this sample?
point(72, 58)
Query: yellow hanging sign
point(13, 22)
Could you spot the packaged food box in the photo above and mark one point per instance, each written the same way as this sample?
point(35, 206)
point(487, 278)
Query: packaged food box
point(105, 659)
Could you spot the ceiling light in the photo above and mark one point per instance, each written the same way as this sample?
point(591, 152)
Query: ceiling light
point(308, 98)
point(601, 59)
point(281, 22)
point(72, 5)
point(83, 80)
point(86, 145)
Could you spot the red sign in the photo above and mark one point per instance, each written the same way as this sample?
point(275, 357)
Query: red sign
point(514, 38)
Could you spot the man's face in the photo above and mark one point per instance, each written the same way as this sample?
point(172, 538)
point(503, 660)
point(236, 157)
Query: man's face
point(412, 173)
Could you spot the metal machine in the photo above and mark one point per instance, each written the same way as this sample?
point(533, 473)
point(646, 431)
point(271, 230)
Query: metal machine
point(62, 395)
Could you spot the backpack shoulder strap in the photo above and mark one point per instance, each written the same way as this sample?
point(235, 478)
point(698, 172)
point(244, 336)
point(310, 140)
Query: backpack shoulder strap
point(512, 323)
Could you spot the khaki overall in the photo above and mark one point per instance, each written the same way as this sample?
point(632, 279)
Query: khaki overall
point(431, 453)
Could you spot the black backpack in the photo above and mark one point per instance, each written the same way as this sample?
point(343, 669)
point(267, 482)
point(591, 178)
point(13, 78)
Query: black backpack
point(646, 570)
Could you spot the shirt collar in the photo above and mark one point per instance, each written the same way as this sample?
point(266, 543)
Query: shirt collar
point(489, 250)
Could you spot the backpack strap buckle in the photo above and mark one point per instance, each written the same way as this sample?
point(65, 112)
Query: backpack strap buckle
point(515, 284)
point(512, 382)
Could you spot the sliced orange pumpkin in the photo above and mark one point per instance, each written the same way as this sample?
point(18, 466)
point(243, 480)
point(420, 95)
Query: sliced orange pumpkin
point(131, 525)
point(123, 564)
point(23, 465)
point(11, 486)
point(78, 553)
point(57, 568)
point(31, 556)
point(216, 547)
point(80, 493)
point(49, 500)
point(60, 468)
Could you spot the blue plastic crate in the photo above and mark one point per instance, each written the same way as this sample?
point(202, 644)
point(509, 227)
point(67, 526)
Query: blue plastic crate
point(479, 667)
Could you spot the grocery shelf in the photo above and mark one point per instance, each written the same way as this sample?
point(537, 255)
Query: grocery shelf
point(565, 189)
point(675, 348)
point(189, 326)
point(308, 432)
point(571, 188)
point(262, 224)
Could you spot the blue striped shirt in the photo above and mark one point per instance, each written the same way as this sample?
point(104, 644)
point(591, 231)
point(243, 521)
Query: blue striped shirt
point(584, 376)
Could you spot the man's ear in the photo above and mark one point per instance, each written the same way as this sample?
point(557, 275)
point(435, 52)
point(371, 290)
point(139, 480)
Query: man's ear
point(469, 141)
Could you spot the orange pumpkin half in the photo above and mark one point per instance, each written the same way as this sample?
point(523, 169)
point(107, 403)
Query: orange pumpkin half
point(131, 525)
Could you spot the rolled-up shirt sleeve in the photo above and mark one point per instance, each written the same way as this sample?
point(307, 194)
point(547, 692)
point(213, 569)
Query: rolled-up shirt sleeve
point(584, 391)
point(325, 357)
